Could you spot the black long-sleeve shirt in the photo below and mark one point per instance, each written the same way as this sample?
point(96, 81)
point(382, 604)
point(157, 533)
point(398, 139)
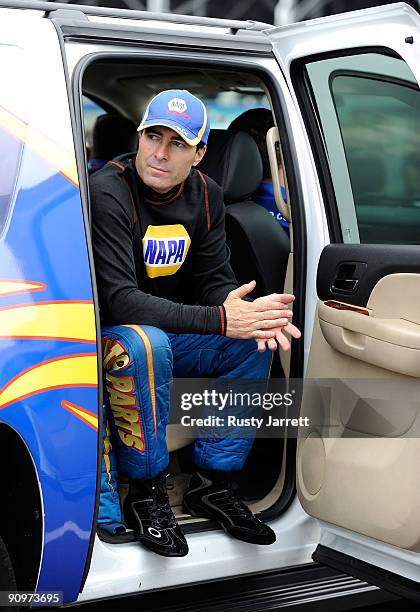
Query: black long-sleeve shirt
point(160, 261)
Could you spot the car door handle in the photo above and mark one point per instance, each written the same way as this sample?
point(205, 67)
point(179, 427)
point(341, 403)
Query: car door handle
point(389, 343)
point(347, 277)
point(345, 285)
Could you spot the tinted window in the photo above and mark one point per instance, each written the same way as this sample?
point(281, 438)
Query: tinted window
point(223, 108)
point(91, 112)
point(10, 154)
point(368, 108)
point(380, 128)
point(12, 126)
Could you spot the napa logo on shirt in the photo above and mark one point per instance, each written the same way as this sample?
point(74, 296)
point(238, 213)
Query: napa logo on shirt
point(165, 248)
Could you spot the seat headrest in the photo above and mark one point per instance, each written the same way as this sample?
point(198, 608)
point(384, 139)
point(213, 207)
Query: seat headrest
point(113, 135)
point(234, 162)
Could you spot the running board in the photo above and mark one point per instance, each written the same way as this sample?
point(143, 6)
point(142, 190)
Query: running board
point(310, 586)
point(399, 585)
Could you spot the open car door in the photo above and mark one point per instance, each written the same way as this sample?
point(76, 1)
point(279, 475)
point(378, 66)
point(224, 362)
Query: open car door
point(354, 80)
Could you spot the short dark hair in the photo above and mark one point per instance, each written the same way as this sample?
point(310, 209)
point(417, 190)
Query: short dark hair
point(200, 145)
point(256, 122)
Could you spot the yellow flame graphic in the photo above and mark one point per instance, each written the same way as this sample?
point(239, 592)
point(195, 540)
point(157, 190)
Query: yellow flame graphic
point(49, 320)
point(9, 287)
point(68, 371)
point(58, 320)
point(61, 159)
point(81, 413)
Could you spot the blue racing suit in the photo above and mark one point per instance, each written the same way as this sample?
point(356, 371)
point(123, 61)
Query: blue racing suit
point(265, 197)
point(139, 363)
point(109, 513)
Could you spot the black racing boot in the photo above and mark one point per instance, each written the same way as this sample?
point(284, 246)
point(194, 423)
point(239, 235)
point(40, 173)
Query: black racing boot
point(213, 495)
point(148, 512)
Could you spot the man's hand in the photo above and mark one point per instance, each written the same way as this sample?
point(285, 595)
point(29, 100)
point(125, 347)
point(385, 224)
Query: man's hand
point(262, 319)
point(278, 336)
point(277, 333)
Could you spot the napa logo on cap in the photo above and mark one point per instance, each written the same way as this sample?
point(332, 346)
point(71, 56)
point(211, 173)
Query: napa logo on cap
point(165, 249)
point(177, 106)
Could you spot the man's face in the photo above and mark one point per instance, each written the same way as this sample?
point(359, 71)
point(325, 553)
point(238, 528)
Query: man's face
point(164, 159)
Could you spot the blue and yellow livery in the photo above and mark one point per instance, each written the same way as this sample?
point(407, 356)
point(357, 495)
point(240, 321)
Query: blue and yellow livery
point(48, 353)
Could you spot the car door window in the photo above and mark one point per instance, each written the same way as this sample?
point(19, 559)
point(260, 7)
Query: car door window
point(91, 111)
point(367, 108)
point(224, 107)
point(12, 129)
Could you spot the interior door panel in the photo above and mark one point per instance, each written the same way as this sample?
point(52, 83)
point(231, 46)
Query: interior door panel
point(386, 333)
point(378, 260)
point(355, 461)
point(356, 82)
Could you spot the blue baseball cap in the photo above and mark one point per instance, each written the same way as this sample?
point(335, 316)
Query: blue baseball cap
point(179, 110)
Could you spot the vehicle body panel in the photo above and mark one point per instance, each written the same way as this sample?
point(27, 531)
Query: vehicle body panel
point(369, 477)
point(48, 374)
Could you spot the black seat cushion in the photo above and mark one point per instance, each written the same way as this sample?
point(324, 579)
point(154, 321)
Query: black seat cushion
point(113, 135)
point(234, 162)
point(259, 247)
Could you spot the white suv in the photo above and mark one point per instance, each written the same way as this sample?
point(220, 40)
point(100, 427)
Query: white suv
point(345, 100)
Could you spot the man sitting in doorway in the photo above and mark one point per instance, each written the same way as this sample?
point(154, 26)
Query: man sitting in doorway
point(170, 306)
